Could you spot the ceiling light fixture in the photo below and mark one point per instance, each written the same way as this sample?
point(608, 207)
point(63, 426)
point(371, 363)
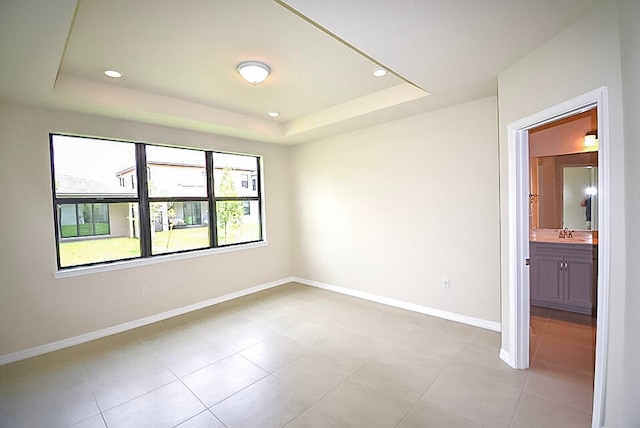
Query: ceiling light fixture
point(253, 72)
point(379, 72)
point(113, 73)
point(274, 114)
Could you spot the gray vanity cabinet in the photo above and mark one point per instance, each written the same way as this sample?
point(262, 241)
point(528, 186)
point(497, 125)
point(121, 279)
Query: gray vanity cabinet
point(563, 276)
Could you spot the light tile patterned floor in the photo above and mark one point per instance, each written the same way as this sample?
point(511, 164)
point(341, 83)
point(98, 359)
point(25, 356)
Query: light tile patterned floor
point(299, 356)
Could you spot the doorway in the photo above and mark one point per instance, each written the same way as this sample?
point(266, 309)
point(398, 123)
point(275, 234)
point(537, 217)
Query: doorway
point(516, 351)
point(563, 239)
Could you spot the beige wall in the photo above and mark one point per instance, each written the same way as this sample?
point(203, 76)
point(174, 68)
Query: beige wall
point(36, 309)
point(394, 208)
point(630, 48)
point(584, 57)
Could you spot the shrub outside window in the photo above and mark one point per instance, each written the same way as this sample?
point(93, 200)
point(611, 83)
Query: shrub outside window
point(117, 200)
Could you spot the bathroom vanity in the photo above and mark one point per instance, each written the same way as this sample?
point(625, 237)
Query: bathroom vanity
point(564, 271)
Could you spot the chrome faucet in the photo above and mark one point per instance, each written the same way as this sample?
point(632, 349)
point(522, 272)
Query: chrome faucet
point(566, 233)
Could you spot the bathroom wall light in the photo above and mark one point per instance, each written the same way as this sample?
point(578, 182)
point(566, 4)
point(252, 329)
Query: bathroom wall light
point(591, 139)
point(253, 72)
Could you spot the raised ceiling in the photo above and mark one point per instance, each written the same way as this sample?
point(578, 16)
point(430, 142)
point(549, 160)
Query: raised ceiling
point(179, 59)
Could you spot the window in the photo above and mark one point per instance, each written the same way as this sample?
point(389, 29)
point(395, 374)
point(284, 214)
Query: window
point(233, 226)
point(176, 195)
point(253, 183)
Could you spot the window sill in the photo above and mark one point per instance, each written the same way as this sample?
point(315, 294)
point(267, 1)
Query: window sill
point(125, 264)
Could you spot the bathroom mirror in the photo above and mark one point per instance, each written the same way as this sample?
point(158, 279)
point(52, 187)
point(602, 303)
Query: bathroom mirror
point(564, 192)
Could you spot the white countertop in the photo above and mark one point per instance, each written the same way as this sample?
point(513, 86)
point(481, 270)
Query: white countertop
point(553, 235)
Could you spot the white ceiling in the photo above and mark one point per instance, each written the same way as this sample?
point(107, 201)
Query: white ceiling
point(179, 58)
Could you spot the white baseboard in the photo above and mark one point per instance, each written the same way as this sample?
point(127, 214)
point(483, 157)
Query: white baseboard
point(506, 357)
point(477, 322)
point(83, 338)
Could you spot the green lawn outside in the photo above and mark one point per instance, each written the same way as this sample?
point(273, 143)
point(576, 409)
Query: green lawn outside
point(74, 253)
point(243, 233)
point(169, 241)
point(98, 250)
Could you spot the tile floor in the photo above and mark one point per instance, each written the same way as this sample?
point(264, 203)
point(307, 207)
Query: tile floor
point(298, 356)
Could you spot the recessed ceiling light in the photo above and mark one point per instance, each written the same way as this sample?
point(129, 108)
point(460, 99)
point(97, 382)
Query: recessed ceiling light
point(274, 114)
point(379, 72)
point(113, 73)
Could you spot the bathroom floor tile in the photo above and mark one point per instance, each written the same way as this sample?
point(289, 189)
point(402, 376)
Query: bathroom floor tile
point(578, 358)
point(570, 334)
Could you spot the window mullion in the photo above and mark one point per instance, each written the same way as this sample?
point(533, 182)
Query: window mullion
point(144, 211)
point(77, 220)
point(259, 191)
point(213, 221)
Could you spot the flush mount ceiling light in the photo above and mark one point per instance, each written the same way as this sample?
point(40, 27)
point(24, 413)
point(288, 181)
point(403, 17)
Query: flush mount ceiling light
point(379, 72)
point(274, 114)
point(113, 73)
point(253, 72)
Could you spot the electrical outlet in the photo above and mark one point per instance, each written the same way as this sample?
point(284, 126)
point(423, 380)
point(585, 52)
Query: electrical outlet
point(145, 290)
point(446, 282)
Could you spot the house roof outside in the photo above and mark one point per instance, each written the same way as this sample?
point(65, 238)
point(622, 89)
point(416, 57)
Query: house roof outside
point(186, 165)
point(73, 186)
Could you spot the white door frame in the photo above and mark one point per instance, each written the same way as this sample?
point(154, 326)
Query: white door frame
point(517, 355)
